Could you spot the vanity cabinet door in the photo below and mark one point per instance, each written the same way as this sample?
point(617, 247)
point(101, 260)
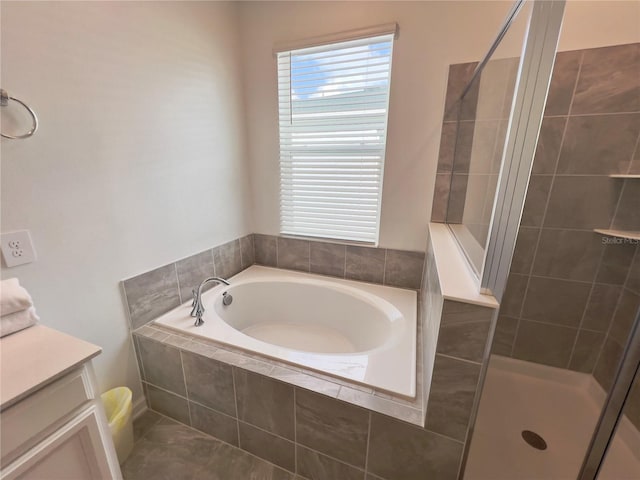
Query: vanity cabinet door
point(77, 450)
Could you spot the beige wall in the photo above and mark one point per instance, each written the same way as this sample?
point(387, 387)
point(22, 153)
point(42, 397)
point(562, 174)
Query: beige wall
point(429, 41)
point(139, 159)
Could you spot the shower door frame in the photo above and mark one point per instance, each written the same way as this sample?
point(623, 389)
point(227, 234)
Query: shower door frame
point(529, 102)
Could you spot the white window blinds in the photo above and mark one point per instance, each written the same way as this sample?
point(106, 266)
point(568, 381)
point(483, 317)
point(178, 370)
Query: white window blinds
point(333, 102)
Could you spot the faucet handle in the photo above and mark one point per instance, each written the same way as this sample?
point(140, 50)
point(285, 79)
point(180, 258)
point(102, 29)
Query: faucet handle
point(194, 292)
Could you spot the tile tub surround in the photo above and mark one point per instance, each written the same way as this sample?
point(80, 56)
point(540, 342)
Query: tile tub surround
point(394, 268)
point(572, 293)
point(311, 425)
point(153, 293)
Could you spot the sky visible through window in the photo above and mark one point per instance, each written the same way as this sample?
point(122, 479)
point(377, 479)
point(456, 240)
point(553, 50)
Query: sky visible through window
point(316, 75)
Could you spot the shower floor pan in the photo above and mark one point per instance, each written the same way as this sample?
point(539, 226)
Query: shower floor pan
point(560, 406)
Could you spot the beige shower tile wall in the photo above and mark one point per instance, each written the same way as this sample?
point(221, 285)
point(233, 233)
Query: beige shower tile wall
point(572, 294)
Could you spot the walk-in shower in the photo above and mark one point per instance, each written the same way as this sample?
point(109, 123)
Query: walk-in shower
point(542, 199)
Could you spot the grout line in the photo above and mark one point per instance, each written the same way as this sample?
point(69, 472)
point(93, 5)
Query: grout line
point(458, 358)
point(235, 403)
point(175, 268)
point(546, 208)
point(615, 211)
point(344, 271)
point(615, 311)
point(138, 354)
point(366, 454)
point(240, 247)
point(586, 307)
point(295, 433)
point(186, 390)
point(213, 259)
point(384, 268)
point(633, 154)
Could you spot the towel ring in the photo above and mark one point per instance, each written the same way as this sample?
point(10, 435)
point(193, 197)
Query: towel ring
point(4, 101)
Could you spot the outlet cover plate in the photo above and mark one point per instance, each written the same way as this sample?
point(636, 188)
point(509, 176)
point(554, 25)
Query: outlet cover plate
point(17, 248)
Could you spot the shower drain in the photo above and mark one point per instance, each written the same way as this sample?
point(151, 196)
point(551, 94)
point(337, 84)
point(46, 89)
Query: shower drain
point(534, 440)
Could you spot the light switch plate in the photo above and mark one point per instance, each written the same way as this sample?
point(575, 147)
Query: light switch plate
point(17, 248)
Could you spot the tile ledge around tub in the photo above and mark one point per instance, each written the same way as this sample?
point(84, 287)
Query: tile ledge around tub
point(456, 281)
point(409, 411)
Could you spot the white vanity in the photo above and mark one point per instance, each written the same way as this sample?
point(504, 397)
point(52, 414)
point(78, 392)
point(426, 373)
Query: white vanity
point(52, 424)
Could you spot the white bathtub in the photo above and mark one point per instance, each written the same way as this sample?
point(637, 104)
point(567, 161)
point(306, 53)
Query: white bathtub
point(352, 330)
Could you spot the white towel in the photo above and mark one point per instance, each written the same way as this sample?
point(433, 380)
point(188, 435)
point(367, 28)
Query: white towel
point(17, 321)
point(13, 297)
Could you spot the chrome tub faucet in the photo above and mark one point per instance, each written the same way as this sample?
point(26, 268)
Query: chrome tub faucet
point(198, 308)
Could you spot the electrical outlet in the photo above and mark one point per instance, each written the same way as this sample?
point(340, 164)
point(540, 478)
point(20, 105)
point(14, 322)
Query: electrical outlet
point(17, 248)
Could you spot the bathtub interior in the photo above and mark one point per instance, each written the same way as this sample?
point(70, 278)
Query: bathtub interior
point(312, 316)
point(371, 341)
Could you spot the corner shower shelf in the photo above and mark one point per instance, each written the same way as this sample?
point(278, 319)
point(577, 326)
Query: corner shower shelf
point(624, 175)
point(618, 233)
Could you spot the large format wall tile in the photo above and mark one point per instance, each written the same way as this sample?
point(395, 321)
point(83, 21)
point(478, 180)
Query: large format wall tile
point(161, 365)
point(168, 404)
point(404, 269)
point(609, 80)
point(365, 264)
point(193, 270)
point(544, 343)
point(624, 317)
point(314, 465)
point(602, 304)
point(607, 364)
point(459, 76)
point(328, 259)
point(568, 254)
point(563, 81)
point(561, 302)
point(572, 203)
point(263, 402)
point(599, 144)
point(209, 382)
point(524, 250)
point(453, 389)
point(293, 254)
point(627, 215)
point(265, 445)
point(398, 450)
point(266, 249)
point(536, 200)
point(585, 351)
point(548, 147)
point(247, 251)
point(464, 330)
point(332, 427)
point(447, 147)
point(504, 336)
point(227, 259)
point(151, 294)
point(214, 423)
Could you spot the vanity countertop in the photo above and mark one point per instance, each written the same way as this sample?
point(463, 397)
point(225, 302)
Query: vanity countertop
point(35, 356)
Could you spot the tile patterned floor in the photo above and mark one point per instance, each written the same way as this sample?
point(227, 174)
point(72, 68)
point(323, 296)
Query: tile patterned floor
point(165, 449)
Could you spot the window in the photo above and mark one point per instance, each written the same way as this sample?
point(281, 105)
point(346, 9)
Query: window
point(333, 103)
